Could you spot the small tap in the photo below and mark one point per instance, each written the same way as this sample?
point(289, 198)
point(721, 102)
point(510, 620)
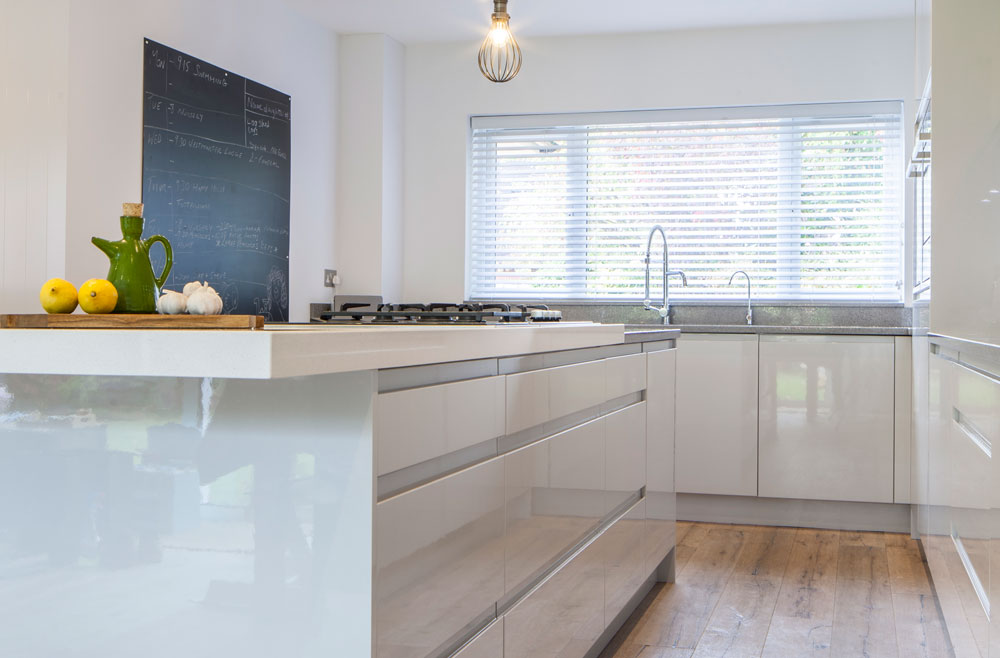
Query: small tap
point(749, 309)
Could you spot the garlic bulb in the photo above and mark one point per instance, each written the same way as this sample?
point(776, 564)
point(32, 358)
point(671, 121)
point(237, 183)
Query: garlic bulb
point(171, 303)
point(190, 288)
point(204, 301)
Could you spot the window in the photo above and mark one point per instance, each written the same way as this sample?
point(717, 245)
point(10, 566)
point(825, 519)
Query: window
point(807, 199)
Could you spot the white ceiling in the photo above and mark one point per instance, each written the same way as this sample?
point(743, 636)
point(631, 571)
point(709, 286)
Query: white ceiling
point(415, 21)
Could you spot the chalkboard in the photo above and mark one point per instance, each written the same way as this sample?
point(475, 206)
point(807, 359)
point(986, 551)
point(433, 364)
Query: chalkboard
point(216, 179)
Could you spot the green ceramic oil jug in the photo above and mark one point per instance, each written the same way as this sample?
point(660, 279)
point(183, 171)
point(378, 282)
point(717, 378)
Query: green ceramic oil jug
point(131, 271)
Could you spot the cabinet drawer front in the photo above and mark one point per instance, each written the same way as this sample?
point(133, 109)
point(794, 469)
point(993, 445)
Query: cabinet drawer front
point(418, 424)
point(625, 432)
point(539, 396)
point(445, 538)
point(488, 644)
point(564, 616)
point(625, 374)
point(554, 497)
point(976, 399)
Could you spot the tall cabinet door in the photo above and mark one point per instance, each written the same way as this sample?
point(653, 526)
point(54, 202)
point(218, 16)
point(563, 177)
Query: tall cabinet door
point(661, 501)
point(717, 414)
point(826, 417)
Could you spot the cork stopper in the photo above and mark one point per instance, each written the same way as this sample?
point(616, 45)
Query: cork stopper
point(131, 210)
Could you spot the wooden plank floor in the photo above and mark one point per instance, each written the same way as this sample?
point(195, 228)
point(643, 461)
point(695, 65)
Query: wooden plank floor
point(788, 592)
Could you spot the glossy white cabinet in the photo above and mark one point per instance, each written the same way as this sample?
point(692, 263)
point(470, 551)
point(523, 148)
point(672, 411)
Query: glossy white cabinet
point(965, 205)
point(716, 449)
point(625, 567)
point(661, 500)
point(555, 495)
point(488, 644)
point(625, 374)
point(418, 424)
point(826, 417)
point(564, 616)
point(538, 396)
point(919, 451)
point(975, 415)
point(625, 454)
point(439, 553)
point(941, 376)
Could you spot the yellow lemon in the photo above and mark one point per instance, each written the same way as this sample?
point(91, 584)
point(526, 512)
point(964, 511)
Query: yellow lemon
point(58, 296)
point(98, 296)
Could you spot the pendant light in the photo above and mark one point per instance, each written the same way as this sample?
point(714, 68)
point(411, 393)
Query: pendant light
point(500, 56)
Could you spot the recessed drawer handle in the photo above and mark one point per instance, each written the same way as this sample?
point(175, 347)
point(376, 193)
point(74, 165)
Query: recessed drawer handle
point(972, 432)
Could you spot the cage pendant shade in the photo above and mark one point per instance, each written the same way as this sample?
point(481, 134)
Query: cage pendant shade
point(500, 56)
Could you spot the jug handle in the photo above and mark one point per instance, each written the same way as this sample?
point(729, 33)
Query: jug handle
point(160, 280)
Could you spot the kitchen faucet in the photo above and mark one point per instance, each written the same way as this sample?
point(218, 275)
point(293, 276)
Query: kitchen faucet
point(749, 310)
point(664, 311)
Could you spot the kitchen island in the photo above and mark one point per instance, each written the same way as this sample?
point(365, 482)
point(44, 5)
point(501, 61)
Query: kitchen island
point(314, 491)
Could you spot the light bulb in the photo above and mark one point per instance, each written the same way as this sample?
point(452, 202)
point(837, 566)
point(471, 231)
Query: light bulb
point(500, 34)
point(500, 56)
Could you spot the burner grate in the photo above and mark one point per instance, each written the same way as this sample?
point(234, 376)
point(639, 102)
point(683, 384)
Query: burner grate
point(438, 313)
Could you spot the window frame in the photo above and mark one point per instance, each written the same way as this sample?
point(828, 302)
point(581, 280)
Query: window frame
point(708, 114)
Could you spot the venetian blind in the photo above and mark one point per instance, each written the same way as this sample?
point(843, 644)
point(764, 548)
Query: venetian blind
point(807, 199)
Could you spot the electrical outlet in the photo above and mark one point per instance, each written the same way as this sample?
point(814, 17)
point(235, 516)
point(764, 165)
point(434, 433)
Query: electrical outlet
point(330, 278)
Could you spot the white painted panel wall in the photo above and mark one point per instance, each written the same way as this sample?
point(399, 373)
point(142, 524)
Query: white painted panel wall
point(776, 64)
point(261, 40)
point(34, 62)
point(370, 166)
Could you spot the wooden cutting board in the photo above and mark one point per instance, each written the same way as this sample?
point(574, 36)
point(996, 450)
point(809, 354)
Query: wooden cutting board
point(129, 321)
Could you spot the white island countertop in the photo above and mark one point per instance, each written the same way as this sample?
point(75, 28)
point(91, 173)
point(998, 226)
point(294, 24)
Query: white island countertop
point(281, 350)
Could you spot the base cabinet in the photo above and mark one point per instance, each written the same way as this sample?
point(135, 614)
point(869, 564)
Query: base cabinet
point(564, 616)
point(440, 560)
point(961, 527)
point(552, 530)
point(717, 414)
point(624, 566)
point(827, 418)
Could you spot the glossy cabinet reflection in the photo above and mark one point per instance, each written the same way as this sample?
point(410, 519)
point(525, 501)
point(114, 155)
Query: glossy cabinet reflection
point(554, 496)
point(538, 396)
point(164, 517)
point(826, 417)
point(418, 424)
point(563, 616)
point(625, 454)
point(622, 546)
point(717, 414)
point(439, 559)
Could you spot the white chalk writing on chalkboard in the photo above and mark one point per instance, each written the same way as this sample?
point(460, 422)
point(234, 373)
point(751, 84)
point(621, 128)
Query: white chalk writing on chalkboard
point(216, 178)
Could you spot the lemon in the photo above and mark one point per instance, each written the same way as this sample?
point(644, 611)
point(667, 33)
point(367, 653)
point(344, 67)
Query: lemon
point(98, 296)
point(58, 296)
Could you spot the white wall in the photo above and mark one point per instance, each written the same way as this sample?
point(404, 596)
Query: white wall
point(370, 166)
point(257, 39)
point(33, 124)
point(760, 65)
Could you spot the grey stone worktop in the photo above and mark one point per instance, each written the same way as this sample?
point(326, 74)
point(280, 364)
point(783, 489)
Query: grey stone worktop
point(816, 319)
point(792, 329)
